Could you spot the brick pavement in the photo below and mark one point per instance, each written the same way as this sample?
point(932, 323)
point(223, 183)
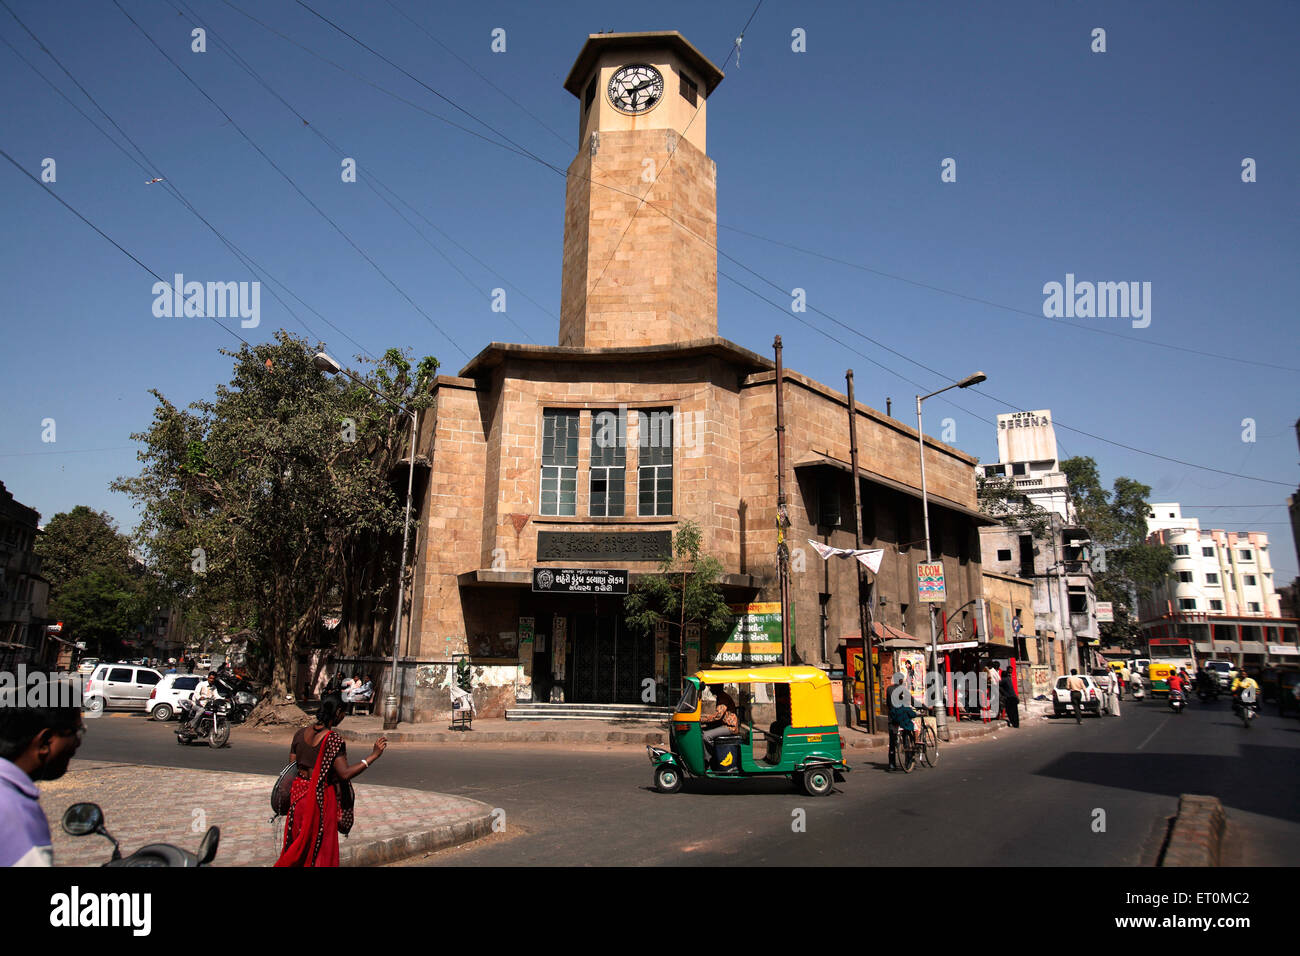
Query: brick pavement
point(170, 805)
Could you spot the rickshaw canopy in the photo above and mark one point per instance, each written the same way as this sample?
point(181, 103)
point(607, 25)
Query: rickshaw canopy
point(810, 690)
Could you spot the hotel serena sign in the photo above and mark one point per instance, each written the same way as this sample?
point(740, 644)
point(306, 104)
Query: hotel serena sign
point(1024, 420)
point(1026, 436)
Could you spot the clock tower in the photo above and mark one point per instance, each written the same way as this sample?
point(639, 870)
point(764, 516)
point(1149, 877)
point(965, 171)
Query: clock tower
point(648, 275)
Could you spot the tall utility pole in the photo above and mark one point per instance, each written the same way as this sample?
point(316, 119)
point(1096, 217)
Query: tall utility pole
point(967, 382)
point(782, 517)
point(864, 610)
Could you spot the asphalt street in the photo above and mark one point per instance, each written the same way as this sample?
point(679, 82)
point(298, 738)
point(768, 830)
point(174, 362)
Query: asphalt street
point(1050, 793)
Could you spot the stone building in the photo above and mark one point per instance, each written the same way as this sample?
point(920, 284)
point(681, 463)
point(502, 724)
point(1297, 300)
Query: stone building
point(588, 455)
point(23, 590)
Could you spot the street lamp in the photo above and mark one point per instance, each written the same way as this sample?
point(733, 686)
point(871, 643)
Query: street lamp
point(967, 382)
point(327, 364)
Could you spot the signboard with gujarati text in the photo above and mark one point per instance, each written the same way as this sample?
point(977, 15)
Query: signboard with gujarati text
point(755, 636)
point(579, 581)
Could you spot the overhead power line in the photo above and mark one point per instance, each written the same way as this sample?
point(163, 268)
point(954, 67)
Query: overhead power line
point(170, 185)
point(338, 150)
point(290, 180)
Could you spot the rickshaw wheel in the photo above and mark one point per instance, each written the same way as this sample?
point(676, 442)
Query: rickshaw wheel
point(818, 781)
point(668, 779)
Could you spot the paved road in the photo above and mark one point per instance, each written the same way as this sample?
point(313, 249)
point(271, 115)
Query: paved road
point(1030, 796)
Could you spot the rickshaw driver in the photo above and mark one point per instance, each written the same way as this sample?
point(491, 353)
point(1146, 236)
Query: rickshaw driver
point(723, 722)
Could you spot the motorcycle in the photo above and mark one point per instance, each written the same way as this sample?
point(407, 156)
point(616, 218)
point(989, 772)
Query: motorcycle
point(82, 819)
point(1247, 709)
point(1208, 692)
point(241, 695)
point(1176, 701)
point(214, 725)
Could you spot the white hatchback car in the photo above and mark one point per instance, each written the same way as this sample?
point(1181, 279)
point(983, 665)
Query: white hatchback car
point(165, 701)
point(1061, 704)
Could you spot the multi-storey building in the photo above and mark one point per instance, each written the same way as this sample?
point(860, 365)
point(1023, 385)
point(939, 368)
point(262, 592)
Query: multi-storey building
point(588, 456)
point(1220, 599)
point(1060, 563)
point(23, 591)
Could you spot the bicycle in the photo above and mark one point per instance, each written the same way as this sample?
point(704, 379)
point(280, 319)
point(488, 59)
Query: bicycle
point(928, 740)
point(904, 749)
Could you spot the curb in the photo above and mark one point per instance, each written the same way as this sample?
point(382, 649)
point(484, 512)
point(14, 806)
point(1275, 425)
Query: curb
point(1195, 832)
point(522, 736)
point(379, 852)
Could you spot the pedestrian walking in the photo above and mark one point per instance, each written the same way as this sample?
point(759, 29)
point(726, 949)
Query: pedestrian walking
point(1076, 685)
point(1007, 690)
point(319, 806)
point(1124, 678)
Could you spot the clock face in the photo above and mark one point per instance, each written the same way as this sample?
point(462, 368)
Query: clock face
point(636, 89)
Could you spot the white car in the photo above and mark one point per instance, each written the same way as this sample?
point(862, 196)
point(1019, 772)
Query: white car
point(165, 701)
point(88, 665)
point(1061, 703)
point(119, 686)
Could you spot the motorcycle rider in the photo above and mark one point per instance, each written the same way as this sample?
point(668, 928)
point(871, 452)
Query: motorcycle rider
point(1206, 684)
point(204, 694)
point(1243, 682)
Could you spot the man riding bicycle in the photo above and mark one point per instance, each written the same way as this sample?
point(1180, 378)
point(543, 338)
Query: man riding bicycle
point(901, 715)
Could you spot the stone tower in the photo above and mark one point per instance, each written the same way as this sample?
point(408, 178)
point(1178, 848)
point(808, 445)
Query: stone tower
point(647, 277)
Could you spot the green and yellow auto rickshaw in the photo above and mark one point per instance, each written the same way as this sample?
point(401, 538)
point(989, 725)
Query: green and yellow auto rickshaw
point(787, 727)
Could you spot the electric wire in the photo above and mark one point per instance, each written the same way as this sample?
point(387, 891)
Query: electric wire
point(289, 179)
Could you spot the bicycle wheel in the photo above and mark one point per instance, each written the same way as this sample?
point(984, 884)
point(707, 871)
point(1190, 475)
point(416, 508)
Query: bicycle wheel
point(907, 751)
point(929, 747)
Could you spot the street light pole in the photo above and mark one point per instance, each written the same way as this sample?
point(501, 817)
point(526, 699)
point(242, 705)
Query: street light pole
point(940, 712)
point(392, 703)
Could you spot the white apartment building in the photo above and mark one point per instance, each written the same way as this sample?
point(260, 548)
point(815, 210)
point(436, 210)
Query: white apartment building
point(1220, 600)
point(1217, 572)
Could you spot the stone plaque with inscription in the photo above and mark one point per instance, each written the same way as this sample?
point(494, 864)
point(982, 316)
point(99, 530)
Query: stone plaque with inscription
point(603, 545)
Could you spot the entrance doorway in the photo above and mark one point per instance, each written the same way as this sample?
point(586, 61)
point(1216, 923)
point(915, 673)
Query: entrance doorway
point(610, 662)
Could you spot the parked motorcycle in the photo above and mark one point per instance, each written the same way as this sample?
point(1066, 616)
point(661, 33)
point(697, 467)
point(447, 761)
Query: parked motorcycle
point(214, 726)
point(241, 695)
point(1177, 701)
point(82, 819)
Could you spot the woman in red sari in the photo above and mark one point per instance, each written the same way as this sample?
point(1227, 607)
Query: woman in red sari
point(311, 829)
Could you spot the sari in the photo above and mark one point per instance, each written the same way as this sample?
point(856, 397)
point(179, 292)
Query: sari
point(311, 828)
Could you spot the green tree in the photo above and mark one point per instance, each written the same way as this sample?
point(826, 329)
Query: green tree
point(97, 589)
point(103, 605)
point(684, 592)
point(999, 498)
point(1117, 521)
point(281, 496)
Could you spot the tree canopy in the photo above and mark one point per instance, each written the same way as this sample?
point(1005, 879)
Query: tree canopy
point(1117, 521)
point(98, 590)
point(282, 496)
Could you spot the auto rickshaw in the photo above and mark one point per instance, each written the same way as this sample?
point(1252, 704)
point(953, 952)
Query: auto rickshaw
point(802, 742)
point(1158, 675)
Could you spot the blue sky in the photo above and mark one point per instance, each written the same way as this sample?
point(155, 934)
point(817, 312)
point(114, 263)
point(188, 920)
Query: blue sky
point(1115, 166)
